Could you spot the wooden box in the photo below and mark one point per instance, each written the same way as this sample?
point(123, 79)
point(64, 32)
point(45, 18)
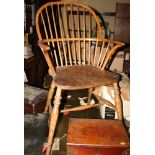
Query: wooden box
point(97, 137)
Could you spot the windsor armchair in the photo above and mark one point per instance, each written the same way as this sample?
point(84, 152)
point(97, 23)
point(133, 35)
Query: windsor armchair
point(77, 58)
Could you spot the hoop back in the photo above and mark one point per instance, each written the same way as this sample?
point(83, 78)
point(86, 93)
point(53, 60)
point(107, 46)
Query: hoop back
point(73, 32)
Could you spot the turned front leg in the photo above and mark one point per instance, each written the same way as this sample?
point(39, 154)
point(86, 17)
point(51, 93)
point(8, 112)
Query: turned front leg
point(118, 101)
point(50, 95)
point(53, 120)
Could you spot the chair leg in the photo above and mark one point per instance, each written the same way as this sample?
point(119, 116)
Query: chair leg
point(50, 95)
point(89, 95)
point(118, 101)
point(53, 120)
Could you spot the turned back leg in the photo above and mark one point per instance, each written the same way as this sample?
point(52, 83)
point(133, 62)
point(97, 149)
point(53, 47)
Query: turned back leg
point(50, 95)
point(90, 90)
point(118, 101)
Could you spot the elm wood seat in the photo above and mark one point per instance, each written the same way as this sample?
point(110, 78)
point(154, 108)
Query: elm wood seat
point(76, 58)
point(69, 78)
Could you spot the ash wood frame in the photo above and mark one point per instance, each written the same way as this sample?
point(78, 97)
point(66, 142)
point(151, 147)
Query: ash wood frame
point(47, 45)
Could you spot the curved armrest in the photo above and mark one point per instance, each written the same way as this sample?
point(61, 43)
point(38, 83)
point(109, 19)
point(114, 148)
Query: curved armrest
point(43, 47)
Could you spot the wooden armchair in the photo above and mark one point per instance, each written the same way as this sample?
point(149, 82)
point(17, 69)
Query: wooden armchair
point(76, 57)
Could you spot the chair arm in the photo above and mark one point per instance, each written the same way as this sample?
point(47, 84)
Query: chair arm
point(43, 47)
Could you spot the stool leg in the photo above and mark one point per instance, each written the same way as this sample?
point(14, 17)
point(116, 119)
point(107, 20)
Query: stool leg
point(118, 101)
point(53, 120)
point(50, 95)
point(89, 95)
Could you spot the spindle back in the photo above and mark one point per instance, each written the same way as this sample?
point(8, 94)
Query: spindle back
point(73, 32)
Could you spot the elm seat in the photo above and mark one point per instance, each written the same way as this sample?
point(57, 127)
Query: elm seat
point(84, 76)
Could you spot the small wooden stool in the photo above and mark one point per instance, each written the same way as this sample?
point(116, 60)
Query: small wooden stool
point(97, 137)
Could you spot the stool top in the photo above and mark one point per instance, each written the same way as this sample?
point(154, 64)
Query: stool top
point(97, 133)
